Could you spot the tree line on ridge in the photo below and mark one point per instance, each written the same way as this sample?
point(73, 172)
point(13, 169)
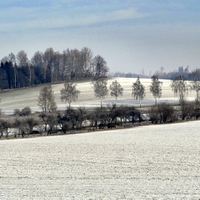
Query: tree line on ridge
point(18, 71)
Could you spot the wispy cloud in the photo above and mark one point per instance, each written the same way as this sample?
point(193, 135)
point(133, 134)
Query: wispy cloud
point(40, 18)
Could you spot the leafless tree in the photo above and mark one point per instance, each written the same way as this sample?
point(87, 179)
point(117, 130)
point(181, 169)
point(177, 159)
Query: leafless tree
point(82, 114)
point(138, 90)
point(50, 63)
point(67, 64)
point(5, 125)
point(37, 59)
point(187, 109)
point(77, 64)
point(166, 112)
point(69, 93)
point(156, 88)
point(25, 124)
point(56, 68)
point(100, 66)
point(22, 59)
point(100, 88)
point(196, 85)
point(46, 99)
point(86, 58)
point(18, 124)
point(179, 87)
point(116, 89)
point(31, 122)
point(52, 122)
point(12, 59)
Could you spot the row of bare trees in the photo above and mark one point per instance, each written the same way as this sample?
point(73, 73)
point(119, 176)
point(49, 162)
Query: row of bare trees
point(110, 116)
point(69, 93)
point(71, 119)
point(179, 86)
point(50, 66)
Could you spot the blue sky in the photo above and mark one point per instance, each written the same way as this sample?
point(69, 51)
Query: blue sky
point(131, 35)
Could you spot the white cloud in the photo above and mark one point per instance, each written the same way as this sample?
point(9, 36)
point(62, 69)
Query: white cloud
point(131, 13)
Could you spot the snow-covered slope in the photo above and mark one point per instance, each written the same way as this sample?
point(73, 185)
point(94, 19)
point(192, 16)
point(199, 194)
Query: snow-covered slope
point(150, 162)
point(28, 96)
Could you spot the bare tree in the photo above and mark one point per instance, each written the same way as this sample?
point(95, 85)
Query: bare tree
point(52, 121)
point(179, 87)
point(37, 59)
point(46, 99)
point(69, 93)
point(116, 89)
point(138, 90)
point(37, 62)
point(12, 59)
point(82, 114)
point(22, 59)
point(100, 66)
point(196, 85)
point(18, 124)
point(100, 88)
point(31, 121)
point(63, 65)
point(5, 125)
point(156, 88)
point(77, 64)
point(68, 64)
point(56, 68)
point(49, 63)
point(166, 112)
point(86, 57)
point(187, 109)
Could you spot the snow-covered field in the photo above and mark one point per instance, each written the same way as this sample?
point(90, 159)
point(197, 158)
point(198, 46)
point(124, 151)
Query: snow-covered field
point(148, 162)
point(29, 96)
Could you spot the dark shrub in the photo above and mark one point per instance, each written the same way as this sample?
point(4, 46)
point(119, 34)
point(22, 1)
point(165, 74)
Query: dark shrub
point(166, 112)
point(16, 112)
point(25, 111)
point(187, 109)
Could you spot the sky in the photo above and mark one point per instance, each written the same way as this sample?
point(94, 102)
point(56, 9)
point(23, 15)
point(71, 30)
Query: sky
point(131, 35)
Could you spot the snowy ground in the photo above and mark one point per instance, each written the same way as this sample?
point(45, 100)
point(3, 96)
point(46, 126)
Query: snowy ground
point(29, 96)
point(149, 162)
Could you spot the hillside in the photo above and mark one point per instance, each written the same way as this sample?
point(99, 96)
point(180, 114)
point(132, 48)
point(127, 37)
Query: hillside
point(21, 98)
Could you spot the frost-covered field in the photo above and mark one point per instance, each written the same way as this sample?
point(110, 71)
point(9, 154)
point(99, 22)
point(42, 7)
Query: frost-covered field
point(28, 96)
point(149, 162)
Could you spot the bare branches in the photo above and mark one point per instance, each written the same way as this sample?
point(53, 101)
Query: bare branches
point(100, 66)
point(116, 89)
point(179, 87)
point(138, 90)
point(69, 93)
point(155, 88)
point(100, 89)
point(46, 99)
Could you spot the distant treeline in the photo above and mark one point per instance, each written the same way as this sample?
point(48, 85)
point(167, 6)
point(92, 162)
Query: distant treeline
point(49, 67)
point(181, 71)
